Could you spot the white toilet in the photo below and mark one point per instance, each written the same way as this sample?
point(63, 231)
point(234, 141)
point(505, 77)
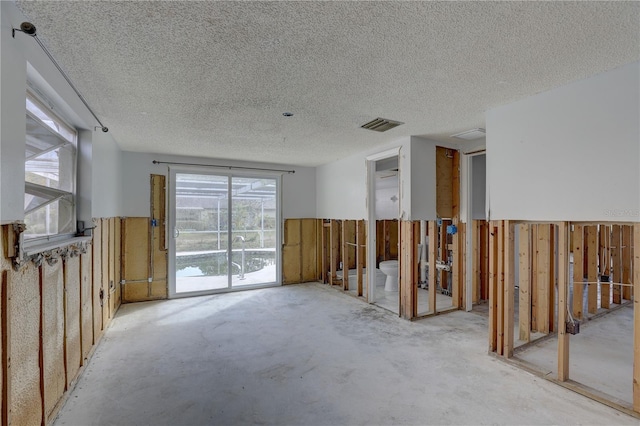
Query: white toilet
point(390, 269)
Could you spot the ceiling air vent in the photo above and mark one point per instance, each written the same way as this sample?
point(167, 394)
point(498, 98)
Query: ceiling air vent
point(381, 125)
point(470, 135)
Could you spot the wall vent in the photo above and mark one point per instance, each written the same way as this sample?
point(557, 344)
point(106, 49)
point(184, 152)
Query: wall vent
point(381, 124)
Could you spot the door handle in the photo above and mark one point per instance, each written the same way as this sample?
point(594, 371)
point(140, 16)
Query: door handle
point(176, 232)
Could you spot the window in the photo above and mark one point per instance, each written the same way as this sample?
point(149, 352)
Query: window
point(50, 173)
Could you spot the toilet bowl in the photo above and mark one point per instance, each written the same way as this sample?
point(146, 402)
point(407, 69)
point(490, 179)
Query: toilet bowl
point(390, 269)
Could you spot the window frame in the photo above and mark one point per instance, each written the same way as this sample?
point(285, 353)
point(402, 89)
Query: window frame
point(68, 135)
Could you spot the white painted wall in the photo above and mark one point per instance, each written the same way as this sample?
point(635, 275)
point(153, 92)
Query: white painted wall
point(572, 153)
point(422, 181)
point(298, 189)
point(479, 191)
point(107, 182)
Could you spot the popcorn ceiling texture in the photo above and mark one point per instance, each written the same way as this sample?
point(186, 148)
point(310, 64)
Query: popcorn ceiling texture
point(212, 79)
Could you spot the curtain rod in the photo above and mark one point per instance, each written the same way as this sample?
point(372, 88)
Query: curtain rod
point(29, 29)
point(223, 167)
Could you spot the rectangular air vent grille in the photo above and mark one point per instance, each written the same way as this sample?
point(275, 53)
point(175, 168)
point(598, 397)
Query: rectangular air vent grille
point(381, 124)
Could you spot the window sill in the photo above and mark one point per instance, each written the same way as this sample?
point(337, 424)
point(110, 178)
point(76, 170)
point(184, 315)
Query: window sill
point(37, 247)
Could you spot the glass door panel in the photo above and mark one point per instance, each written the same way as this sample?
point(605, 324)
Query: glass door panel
point(253, 231)
point(201, 232)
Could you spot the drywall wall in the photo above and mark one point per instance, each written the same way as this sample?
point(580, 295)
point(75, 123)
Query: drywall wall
point(298, 189)
point(571, 153)
point(106, 174)
point(479, 187)
point(341, 186)
point(423, 179)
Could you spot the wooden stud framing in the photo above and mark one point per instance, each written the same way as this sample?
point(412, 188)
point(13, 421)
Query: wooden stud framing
point(563, 294)
point(345, 255)
point(5, 310)
point(475, 253)
point(500, 290)
point(605, 264)
point(509, 289)
point(616, 260)
point(443, 254)
point(592, 268)
point(578, 271)
point(484, 260)
point(334, 237)
point(543, 280)
point(324, 262)
point(433, 247)
point(408, 296)
point(456, 270)
point(524, 282)
point(626, 260)
point(552, 278)
point(636, 319)
point(493, 287)
point(360, 253)
point(534, 277)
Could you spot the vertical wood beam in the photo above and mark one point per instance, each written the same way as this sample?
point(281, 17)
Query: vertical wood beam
point(592, 268)
point(509, 288)
point(627, 231)
point(543, 279)
point(433, 249)
point(524, 282)
point(475, 253)
point(552, 277)
point(456, 270)
point(636, 319)
point(6, 348)
point(334, 238)
point(563, 293)
point(360, 241)
point(443, 254)
point(534, 277)
point(493, 287)
point(616, 259)
point(345, 255)
point(323, 253)
point(578, 271)
point(484, 256)
point(605, 264)
point(500, 290)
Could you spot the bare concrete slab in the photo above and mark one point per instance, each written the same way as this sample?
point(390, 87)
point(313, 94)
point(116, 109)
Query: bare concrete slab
point(308, 355)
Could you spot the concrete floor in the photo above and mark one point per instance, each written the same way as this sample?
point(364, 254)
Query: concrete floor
point(600, 356)
point(308, 355)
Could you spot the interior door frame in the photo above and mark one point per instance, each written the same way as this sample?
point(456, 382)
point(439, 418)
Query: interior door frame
point(371, 214)
point(171, 224)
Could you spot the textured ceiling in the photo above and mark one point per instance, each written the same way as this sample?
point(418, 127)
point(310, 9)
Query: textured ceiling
point(212, 79)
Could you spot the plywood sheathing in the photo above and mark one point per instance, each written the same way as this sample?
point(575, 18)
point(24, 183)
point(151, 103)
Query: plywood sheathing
point(299, 257)
point(444, 182)
point(136, 260)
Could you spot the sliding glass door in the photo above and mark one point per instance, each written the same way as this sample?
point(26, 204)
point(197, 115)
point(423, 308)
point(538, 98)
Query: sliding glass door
point(225, 232)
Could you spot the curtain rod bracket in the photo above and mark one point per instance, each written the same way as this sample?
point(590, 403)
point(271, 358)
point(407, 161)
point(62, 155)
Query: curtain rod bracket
point(29, 29)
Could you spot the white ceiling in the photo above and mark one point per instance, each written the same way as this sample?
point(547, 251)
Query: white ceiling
point(212, 79)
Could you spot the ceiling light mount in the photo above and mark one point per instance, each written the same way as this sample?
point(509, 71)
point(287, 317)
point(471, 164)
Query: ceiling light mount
point(287, 114)
point(471, 135)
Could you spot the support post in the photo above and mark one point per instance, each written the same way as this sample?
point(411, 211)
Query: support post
point(605, 265)
point(543, 278)
point(563, 293)
point(616, 260)
point(500, 291)
point(524, 282)
point(433, 249)
point(592, 269)
point(636, 319)
point(360, 240)
point(493, 287)
point(345, 256)
point(333, 253)
point(509, 289)
point(578, 271)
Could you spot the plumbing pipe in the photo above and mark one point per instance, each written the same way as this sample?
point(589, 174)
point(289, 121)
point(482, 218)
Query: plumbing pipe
point(423, 251)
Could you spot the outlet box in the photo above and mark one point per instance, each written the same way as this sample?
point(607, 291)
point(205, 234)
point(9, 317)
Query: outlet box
point(573, 327)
